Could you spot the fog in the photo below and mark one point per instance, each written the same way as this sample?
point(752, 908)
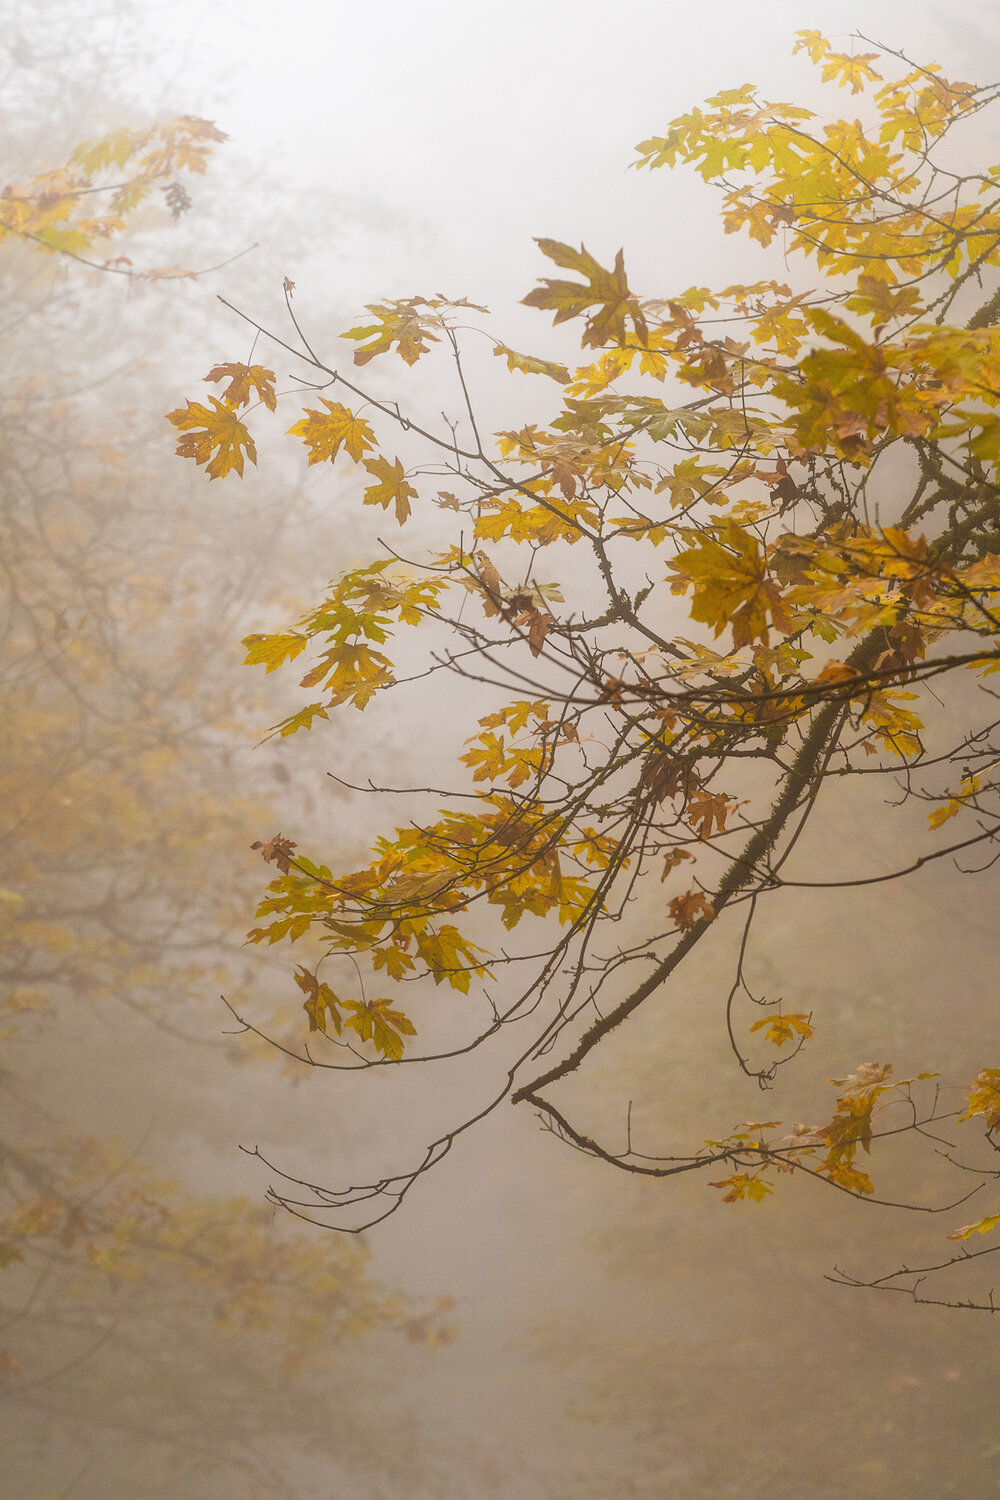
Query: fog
point(530, 1323)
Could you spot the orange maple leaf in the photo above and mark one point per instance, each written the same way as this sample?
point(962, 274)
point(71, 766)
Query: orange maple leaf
point(705, 808)
point(690, 909)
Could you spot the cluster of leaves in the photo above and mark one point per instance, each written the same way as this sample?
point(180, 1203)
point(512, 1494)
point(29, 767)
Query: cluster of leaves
point(75, 210)
point(810, 476)
point(852, 1126)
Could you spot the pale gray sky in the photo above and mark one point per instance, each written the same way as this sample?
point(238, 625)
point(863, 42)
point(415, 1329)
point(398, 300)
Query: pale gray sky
point(472, 127)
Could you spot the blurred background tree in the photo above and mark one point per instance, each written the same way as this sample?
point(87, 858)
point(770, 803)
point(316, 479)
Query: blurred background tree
point(155, 1337)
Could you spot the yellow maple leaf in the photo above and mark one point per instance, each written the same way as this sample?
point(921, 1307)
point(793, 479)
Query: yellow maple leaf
point(207, 430)
point(302, 720)
point(731, 585)
point(897, 728)
point(243, 381)
point(847, 1176)
point(392, 488)
point(271, 651)
point(324, 433)
point(530, 364)
point(882, 302)
point(742, 1185)
point(320, 1000)
point(981, 1226)
point(400, 323)
point(782, 1029)
point(377, 1023)
point(112, 150)
point(940, 815)
point(606, 290)
point(352, 674)
point(856, 70)
point(489, 761)
point(984, 1098)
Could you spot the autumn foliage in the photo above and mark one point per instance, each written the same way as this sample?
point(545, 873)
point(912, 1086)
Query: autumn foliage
point(737, 558)
point(76, 210)
point(113, 900)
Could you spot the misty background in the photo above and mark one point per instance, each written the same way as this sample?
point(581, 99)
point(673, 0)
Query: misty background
point(531, 1324)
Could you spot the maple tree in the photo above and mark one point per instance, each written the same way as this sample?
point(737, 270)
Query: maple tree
point(734, 563)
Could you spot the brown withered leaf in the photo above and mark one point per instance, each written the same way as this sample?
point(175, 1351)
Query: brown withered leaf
point(538, 624)
point(781, 484)
point(672, 859)
point(491, 584)
point(276, 849)
point(690, 909)
point(666, 775)
point(705, 808)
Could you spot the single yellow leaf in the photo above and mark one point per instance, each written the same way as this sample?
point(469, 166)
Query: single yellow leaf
point(271, 651)
point(209, 429)
point(244, 380)
point(981, 1226)
point(731, 584)
point(324, 433)
point(606, 290)
point(392, 488)
point(782, 1029)
point(984, 1098)
point(529, 364)
point(743, 1185)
